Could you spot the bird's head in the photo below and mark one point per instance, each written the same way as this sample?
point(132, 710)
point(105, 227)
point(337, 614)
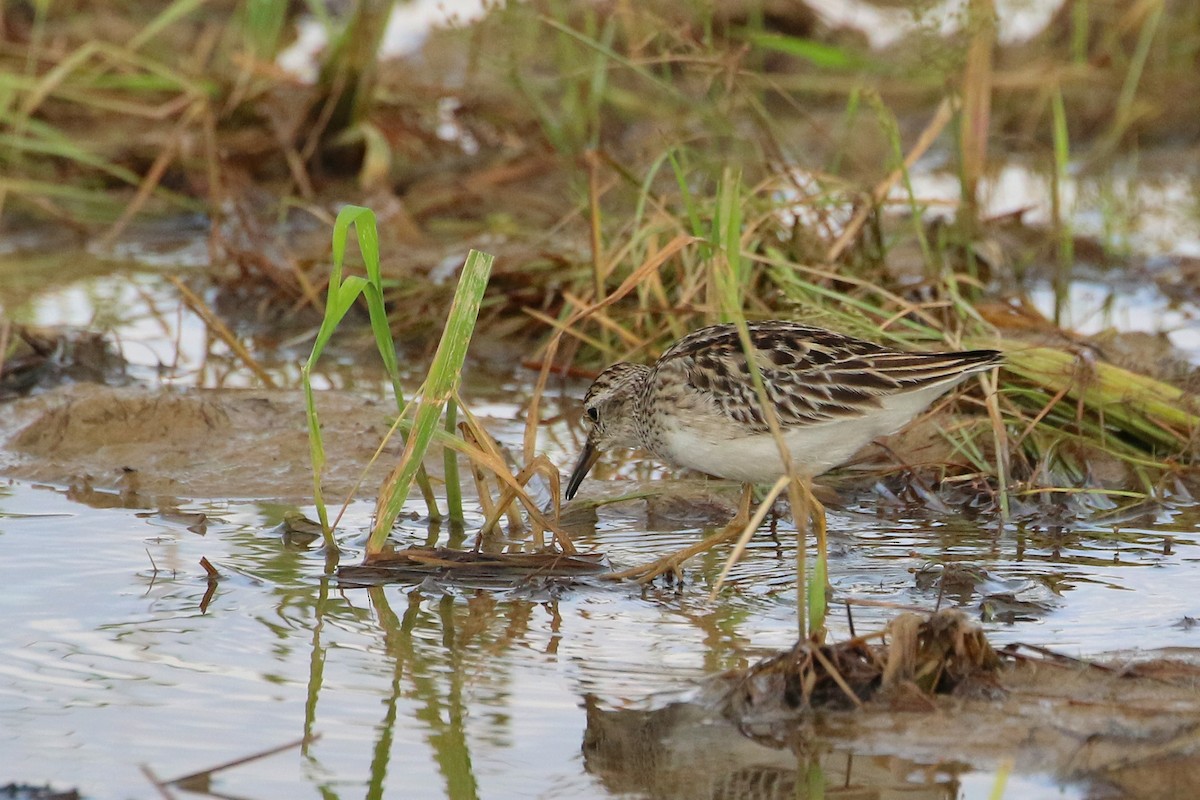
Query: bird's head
point(609, 416)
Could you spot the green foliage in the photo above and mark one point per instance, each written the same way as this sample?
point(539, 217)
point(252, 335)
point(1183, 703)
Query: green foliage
point(344, 291)
point(440, 385)
point(263, 26)
point(819, 54)
point(817, 587)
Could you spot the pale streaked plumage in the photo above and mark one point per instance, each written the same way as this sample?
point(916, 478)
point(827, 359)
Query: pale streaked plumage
point(697, 407)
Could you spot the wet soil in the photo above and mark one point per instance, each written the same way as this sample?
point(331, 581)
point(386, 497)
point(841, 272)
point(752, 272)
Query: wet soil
point(1123, 729)
point(195, 443)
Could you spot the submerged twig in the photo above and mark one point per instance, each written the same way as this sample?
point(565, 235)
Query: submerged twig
point(203, 776)
point(159, 785)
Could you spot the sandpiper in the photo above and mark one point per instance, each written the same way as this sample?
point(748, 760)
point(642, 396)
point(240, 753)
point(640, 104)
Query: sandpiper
point(697, 406)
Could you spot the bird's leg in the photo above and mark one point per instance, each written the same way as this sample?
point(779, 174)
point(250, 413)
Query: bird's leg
point(672, 562)
point(816, 513)
point(742, 518)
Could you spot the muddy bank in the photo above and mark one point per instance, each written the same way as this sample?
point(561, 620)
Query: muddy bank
point(195, 444)
point(1118, 729)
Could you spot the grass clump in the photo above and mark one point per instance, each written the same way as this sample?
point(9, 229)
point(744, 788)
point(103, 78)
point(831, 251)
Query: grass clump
point(421, 420)
point(437, 396)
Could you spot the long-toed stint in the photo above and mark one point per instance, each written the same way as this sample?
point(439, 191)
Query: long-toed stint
point(697, 406)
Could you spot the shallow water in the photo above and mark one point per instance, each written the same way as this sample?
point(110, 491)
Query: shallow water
point(112, 659)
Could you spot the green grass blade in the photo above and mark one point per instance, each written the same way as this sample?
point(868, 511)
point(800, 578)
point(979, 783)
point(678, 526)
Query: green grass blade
point(368, 246)
point(1059, 177)
point(667, 88)
point(817, 607)
point(263, 25)
point(454, 503)
point(316, 455)
point(689, 200)
point(727, 237)
point(890, 128)
point(597, 86)
point(814, 779)
point(341, 297)
point(383, 340)
point(1002, 772)
point(339, 300)
point(1123, 116)
point(168, 16)
point(819, 54)
point(337, 304)
point(440, 385)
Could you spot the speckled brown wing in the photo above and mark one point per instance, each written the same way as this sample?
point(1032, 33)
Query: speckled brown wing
point(811, 375)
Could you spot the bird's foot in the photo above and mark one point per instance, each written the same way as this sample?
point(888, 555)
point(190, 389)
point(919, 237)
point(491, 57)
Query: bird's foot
point(673, 562)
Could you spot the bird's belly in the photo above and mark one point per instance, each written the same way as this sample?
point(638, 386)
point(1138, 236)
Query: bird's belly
point(755, 458)
point(720, 450)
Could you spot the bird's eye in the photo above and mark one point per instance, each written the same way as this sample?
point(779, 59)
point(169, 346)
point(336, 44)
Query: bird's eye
point(593, 414)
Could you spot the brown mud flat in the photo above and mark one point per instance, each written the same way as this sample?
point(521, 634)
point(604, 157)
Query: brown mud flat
point(1126, 729)
point(218, 444)
point(1113, 729)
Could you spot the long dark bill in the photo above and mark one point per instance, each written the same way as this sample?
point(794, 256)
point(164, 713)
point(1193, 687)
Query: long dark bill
point(587, 459)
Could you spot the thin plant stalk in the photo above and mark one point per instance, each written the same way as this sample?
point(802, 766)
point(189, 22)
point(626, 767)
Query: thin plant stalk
point(976, 108)
point(454, 503)
point(990, 383)
point(1079, 32)
point(728, 285)
point(814, 778)
point(729, 274)
point(940, 119)
point(891, 131)
point(815, 596)
point(1123, 116)
point(1003, 771)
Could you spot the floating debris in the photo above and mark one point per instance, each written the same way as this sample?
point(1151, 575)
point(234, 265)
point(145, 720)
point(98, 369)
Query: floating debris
point(24, 791)
point(415, 564)
point(939, 654)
